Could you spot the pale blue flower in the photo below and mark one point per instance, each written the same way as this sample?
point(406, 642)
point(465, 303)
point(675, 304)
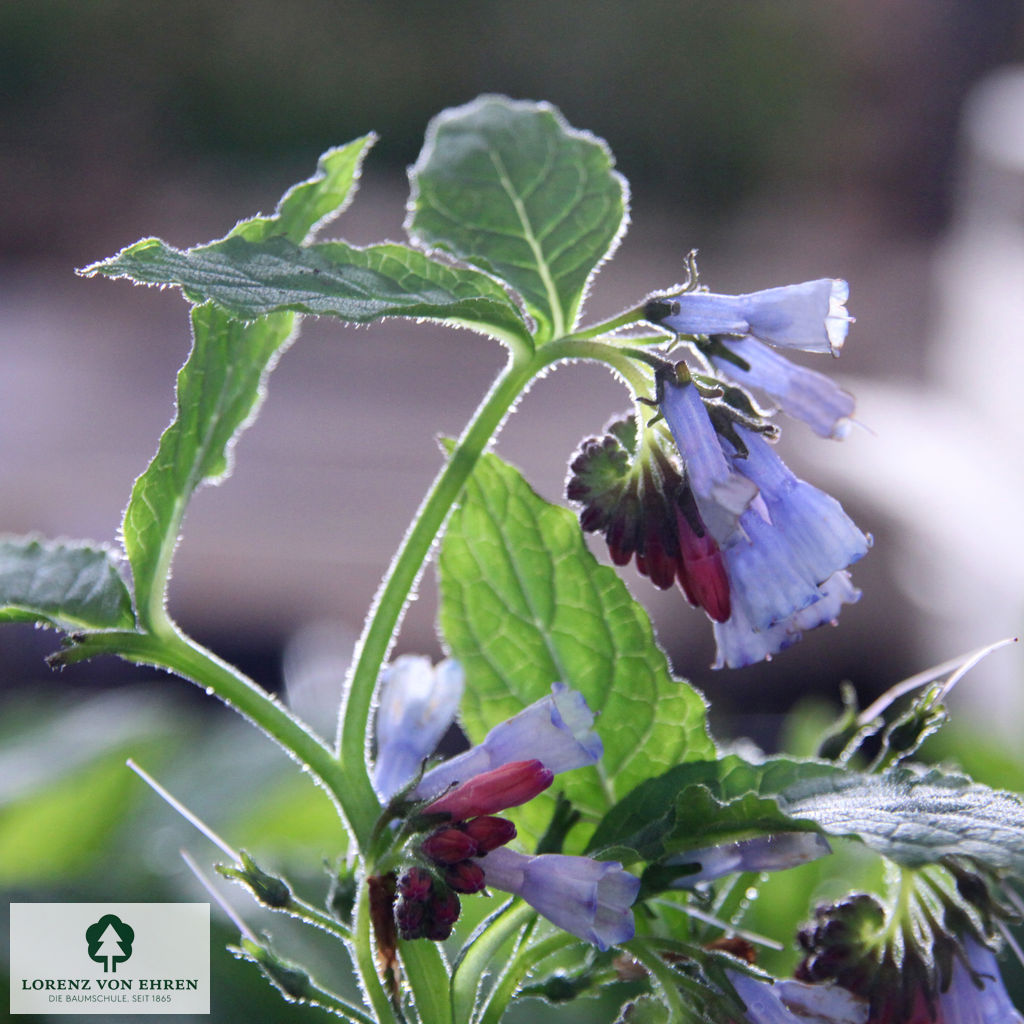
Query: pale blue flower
point(417, 705)
point(801, 393)
point(792, 1002)
point(809, 316)
point(965, 1002)
point(720, 491)
point(589, 898)
point(791, 540)
point(739, 644)
point(785, 543)
point(775, 852)
point(557, 731)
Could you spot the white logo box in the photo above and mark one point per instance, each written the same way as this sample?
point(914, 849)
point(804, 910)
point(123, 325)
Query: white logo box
point(136, 958)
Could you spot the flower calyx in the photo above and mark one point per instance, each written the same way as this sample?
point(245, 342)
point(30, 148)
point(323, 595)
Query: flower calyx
point(638, 499)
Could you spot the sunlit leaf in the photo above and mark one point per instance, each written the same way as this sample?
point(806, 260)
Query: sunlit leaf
point(509, 187)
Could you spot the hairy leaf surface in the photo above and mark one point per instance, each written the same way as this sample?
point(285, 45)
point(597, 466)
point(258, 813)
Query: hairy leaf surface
point(70, 586)
point(524, 604)
point(509, 187)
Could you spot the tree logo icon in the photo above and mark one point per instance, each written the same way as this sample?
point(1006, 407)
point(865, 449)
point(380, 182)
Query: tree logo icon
point(110, 942)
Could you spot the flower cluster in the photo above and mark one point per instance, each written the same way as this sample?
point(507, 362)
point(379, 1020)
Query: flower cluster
point(762, 552)
point(941, 973)
point(467, 851)
point(428, 906)
point(785, 543)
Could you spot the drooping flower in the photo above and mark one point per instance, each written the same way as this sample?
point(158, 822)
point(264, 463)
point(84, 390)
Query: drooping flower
point(792, 1002)
point(809, 316)
point(556, 730)
point(800, 392)
point(774, 852)
point(592, 899)
point(721, 492)
point(785, 543)
point(976, 993)
point(417, 705)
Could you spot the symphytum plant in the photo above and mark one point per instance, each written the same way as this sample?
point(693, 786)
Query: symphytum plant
point(627, 861)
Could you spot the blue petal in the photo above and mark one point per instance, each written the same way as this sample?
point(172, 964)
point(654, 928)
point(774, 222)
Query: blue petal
point(809, 316)
point(417, 705)
point(720, 492)
point(775, 852)
point(589, 898)
point(801, 393)
point(557, 731)
point(965, 1003)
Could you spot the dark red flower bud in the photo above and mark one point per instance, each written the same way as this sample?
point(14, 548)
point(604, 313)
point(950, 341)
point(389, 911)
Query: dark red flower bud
point(410, 918)
point(489, 832)
point(449, 846)
point(466, 876)
point(437, 931)
point(442, 913)
point(415, 885)
point(701, 570)
point(510, 785)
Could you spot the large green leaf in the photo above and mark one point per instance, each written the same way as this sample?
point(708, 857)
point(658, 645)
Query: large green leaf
point(251, 279)
point(509, 187)
point(219, 389)
point(702, 803)
point(910, 815)
point(525, 604)
point(70, 586)
point(222, 383)
point(307, 207)
point(916, 817)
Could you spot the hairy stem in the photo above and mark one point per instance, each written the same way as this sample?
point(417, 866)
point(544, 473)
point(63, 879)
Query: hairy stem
point(404, 572)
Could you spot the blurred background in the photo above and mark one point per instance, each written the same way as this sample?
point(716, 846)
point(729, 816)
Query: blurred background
point(879, 142)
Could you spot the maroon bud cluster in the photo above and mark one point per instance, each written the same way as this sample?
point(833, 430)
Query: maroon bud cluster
point(452, 848)
point(425, 909)
point(428, 906)
point(647, 512)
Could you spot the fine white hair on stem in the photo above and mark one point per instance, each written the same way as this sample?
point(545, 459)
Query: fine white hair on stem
point(244, 930)
point(191, 818)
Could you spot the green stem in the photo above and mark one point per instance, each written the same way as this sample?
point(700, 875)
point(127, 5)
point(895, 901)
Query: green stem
point(400, 581)
point(303, 911)
point(665, 978)
point(521, 965)
point(630, 316)
point(363, 953)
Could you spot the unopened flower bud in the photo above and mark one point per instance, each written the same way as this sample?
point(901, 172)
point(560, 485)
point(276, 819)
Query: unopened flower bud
point(449, 846)
point(443, 912)
point(410, 918)
point(510, 785)
point(465, 877)
point(489, 832)
point(415, 885)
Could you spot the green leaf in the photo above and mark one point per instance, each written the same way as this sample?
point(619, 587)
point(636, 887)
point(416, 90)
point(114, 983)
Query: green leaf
point(509, 187)
point(70, 586)
point(222, 383)
point(699, 804)
point(251, 279)
point(524, 604)
point(219, 390)
point(916, 817)
point(307, 207)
